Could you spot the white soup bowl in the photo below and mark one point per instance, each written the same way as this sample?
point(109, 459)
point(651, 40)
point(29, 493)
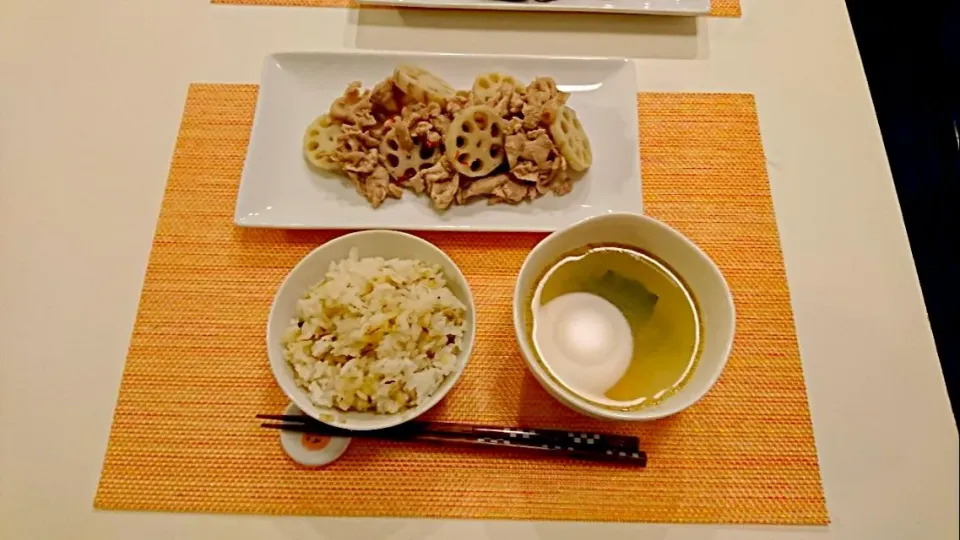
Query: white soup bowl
point(695, 268)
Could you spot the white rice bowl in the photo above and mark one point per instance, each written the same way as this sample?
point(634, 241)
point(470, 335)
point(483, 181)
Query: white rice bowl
point(377, 340)
point(375, 334)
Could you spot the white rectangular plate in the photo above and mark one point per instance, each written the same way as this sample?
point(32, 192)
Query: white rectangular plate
point(639, 7)
point(279, 190)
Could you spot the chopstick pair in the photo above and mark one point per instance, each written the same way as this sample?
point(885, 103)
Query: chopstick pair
point(580, 445)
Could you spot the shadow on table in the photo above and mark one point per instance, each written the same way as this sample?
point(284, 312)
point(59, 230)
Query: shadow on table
point(560, 34)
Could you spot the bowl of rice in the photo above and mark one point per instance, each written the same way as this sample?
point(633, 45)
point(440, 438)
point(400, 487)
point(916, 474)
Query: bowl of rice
point(371, 329)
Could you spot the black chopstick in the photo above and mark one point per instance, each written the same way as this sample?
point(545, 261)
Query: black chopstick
point(571, 444)
point(550, 436)
point(553, 437)
point(636, 458)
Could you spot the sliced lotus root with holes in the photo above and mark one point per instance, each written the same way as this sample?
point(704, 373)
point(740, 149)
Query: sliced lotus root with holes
point(474, 141)
point(320, 143)
point(486, 85)
point(571, 139)
point(401, 163)
point(422, 85)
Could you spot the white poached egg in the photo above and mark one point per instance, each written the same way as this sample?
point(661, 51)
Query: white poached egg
point(585, 341)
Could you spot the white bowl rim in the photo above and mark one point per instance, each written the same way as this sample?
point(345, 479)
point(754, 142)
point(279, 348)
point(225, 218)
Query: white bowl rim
point(299, 397)
point(577, 403)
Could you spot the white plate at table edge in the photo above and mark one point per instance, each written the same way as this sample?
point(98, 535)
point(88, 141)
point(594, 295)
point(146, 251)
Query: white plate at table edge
point(534, 216)
point(629, 7)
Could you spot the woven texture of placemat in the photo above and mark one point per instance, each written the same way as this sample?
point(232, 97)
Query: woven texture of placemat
point(184, 437)
point(718, 8)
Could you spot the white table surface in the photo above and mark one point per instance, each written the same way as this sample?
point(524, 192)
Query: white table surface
point(91, 93)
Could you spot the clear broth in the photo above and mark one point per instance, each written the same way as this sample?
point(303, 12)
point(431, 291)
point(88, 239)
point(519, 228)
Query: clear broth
point(666, 340)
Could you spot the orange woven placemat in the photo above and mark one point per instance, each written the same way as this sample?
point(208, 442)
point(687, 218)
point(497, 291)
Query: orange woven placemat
point(184, 437)
point(718, 8)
